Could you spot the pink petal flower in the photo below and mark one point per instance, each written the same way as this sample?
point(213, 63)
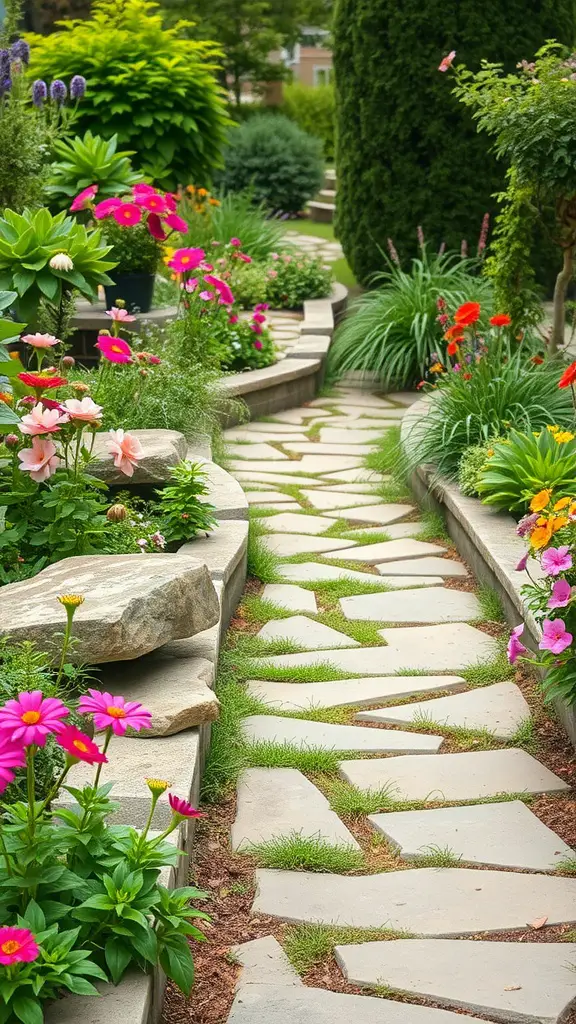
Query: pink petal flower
point(561, 593)
point(40, 460)
point(191, 284)
point(115, 350)
point(236, 243)
point(172, 220)
point(17, 945)
point(41, 340)
point(114, 712)
point(106, 208)
point(142, 189)
point(127, 214)
point(515, 648)
point(185, 260)
point(183, 808)
point(126, 449)
point(221, 287)
point(446, 62)
point(155, 227)
point(84, 198)
point(31, 718)
point(524, 560)
point(42, 421)
point(12, 755)
point(85, 410)
point(79, 746)
point(206, 296)
point(555, 637)
point(120, 314)
point(151, 201)
point(556, 560)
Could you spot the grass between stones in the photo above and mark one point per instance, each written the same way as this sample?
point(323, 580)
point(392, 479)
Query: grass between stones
point(329, 592)
point(491, 605)
point(307, 945)
point(436, 857)
point(262, 563)
point(260, 611)
point(486, 672)
point(295, 852)
point(350, 802)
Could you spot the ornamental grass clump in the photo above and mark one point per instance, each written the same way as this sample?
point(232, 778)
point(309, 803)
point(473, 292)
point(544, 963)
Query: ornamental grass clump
point(81, 899)
point(520, 465)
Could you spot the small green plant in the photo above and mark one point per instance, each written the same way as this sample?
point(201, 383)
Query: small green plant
point(133, 249)
point(263, 564)
point(348, 800)
point(86, 161)
point(490, 605)
point(524, 464)
point(474, 459)
point(436, 857)
point(236, 215)
point(307, 945)
point(182, 515)
point(291, 279)
point(296, 852)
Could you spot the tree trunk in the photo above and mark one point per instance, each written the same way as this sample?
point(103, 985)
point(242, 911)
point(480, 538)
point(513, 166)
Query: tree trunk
point(559, 315)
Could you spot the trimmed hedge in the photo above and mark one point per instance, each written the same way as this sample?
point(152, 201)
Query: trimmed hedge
point(407, 151)
point(312, 108)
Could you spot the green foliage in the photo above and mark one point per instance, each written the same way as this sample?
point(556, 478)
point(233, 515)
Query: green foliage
point(204, 334)
point(296, 852)
point(312, 108)
point(236, 216)
point(263, 564)
point(276, 160)
point(152, 87)
point(86, 161)
point(133, 249)
point(182, 514)
point(524, 464)
point(509, 265)
point(307, 945)
point(393, 330)
point(23, 144)
point(294, 278)
point(471, 464)
point(401, 134)
point(28, 241)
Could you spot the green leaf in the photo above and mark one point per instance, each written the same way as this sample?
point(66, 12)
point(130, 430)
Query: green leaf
point(176, 961)
point(145, 943)
point(118, 956)
point(34, 917)
point(28, 1010)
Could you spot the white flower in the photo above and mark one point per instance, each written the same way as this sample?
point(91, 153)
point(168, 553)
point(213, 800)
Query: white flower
point(61, 261)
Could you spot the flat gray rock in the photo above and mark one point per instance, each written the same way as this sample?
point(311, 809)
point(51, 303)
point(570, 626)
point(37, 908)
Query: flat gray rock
point(292, 522)
point(133, 604)
point(300, 733)
point(347, 692)
point(222, 550)
point(430, 566)
point(308, 572)
point(358, 475)
point(395, 531)
point(249, 467)
point(291, 597)
point(322, 499)
point(451, 777)
point(274, 803)
point(513, 982)
point(435, 604)
point(499, 708)
point(254, 450)
point(163, 449)
point(254, 477)
point(306, 632)
point(497, 835)
point(281, 506)
point(177, 691)
point(403, 582)
point(264, 962)
point(270, 427)
point(243, 434)
point(270, 497)
point(379, 513)
point(287, 544)
point(327, 464)
point(346, 435)
point(354, 488)
point(275, 1004)
point(393, 550)
point(316, 448)
point(431, 902)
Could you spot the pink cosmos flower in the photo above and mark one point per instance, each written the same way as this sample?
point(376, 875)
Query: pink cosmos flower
point(446, 62)
point(79, 746)
point(42, 421)
point(206, 267)
point(85, 410)
point(233, 319)
point(151, 201)
point(191, 284)
point(31, 718)
point(256, 328)
point(115, 350)
point(40, 340)
point(183, 808)
point(236, 243)
point(126, 449)
point(556, 560)
point(185, 260)
point(141, 188)
point(115, 713)
point(106, 208)
point(17, 945)
point(12, 755)
point(561, 593)
point(84, 198)
point(154, 225)
point(172, 220)
point(171, 203)
point(206, 296)
point(120, 314)
point(555, 636)
point(221, 287)
point(524, 560)
point(40, 460)
point(127, 214)
point(259, 318)
point(261, 307)
point(515, 648)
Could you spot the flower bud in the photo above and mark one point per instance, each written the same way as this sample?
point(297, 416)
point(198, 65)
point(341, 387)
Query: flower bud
point(68, 362)
point(116, 513)
point(61, 261)
point(158, 786)
point(11, 440)
point(71, 600)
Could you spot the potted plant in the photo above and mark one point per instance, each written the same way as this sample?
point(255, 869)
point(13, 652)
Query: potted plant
point(137, 254)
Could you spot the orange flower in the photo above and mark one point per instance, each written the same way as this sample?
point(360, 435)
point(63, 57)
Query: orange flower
point(467, 314)
point(202, 192)
point(537, 360)
point(455, 333)
point(540, 500)
point(467, 376)
point(452, 349)
point(558, 522)
point(436, 368)
point(500, 320)
point(540, 537)
point(568, 377)
point(562, 504)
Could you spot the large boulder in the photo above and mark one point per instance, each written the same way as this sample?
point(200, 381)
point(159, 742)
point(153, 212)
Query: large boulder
point(133, 604)
point(163, 449)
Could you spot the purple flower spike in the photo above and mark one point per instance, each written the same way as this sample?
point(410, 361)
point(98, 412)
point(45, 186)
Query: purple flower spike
point(39, 92)
point(6, 85)
point(4, 65)
point(58, 91)
point(20, 51)
point(77, 87)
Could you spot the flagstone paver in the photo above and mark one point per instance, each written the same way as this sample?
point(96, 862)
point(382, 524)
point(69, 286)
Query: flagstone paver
point(347, 692)
point(255, 477)
point(473, 775)
point(524, 983)
point(315, 448)
point(358, 475)
point(294, 598)
point(436, 604)
point(499, 708)
point(264, 960)
point(421, 566)
point(404, 582)
point(349, 436)
point(322, 499)
point(306, 633)
point(308, 572)
point(294, 523)
point(241, 434)
point(378, 513)
point(499, 835)
point(393, 550)
point(254, 451)
point(287, 544)
point(301, 733)
point(271, 497)
point(278, 802)
point(395, 531)
point(283, 506)
point(269, 427)
point(353, 488)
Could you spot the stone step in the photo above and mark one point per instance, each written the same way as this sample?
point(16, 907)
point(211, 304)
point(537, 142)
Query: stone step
point(512, 982)
point(306, 633)
point(499, 708)
point(274, 803)
point(357, 399)
point(432, 902)
point(348, 436)
point(288, 544)
point(378, 513)
point(393, 550)
point(436, 604)
point(291, 522)
point(347, 692)
point(264, 961)
point(497, 835)
point(293, 598)
point(354, 488)
point(308, 572)
point(430, 566)
point(395, 531)
point(324, 499)
point(241, 434)
point(322, 213)
point(254, 450)
point(327, 195)
point(473, 775)
point(271, 497)
point(316, 448)
point(275, 478)
point(300, 733)
point(352, 476)
point(282, 506)
point(330, 179)
point(257, 427)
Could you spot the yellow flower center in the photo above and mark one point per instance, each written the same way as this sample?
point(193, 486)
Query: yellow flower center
point(82, 747)
point(115, 712)
point(31, 717)
point(115, 348)
point(185, 259)
point(11, 947)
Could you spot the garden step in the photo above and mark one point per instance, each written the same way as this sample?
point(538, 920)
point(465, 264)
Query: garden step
point(347, 435)
point(421, 566)
point(324, 499)
point(516, 983)
point(254, 450)
point(286, 595)
point(392, 550)
point(497, 835)
point(435, 604)
point(274, 803)
point(322, 213)
point(327, 195)
point(244, 476)
point(256, 427)
point(379, 513)
point(294, 523)
point(306, 633)
point(316, 448)
point(347, 692)
point(358, 488)
point(358, 399)
point(284, 506)
point(264, 960)
point(500, 709)
point(270, 497)
point(177, 691)
point(357, 475)
point(473, 775)
point(308, 572)
point(288, 544)
point(395, 531)
point(313, 464)
point(298, 732)
point(431, 902)
point(253, 438)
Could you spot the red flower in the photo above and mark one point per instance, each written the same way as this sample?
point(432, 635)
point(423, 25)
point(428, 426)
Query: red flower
point(452, 348)
point(537, 360)
point(41, 381)
point(155, 227)
point(467, 314)
point(567, 378)
point(455, 333)
point(183, 808)
point(500, 320)
point(467, 376)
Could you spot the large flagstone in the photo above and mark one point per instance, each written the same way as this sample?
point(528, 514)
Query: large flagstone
point(393, 550)
point(306, 633)
point(435, 604)
point(292, 522)
point(347, 692)
point(298, 732)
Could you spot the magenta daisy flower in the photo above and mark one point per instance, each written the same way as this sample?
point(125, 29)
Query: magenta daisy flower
point(12, 755)
point(17, 945)
point(183, 808)
point(114, 713)
point(31, 718)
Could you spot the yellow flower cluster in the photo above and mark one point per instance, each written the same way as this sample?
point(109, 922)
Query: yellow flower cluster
point(561, 436)
point(549, 523)
point(200, 199)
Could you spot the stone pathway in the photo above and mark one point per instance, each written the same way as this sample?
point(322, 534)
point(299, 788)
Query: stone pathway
point(391, 658)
